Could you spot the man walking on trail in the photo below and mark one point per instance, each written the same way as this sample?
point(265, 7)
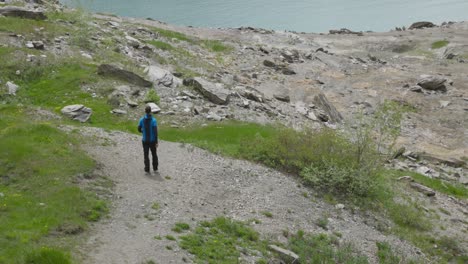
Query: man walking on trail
point(149, 127)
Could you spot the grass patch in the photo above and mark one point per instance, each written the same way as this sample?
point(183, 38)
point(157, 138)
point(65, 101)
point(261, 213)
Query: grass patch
point(38, 164)
point(61, 86)
point(30, 26)
point(456, 190)
point(439, 44)
point(221, 241)
point(267, 214)
point(48, 256)
point(161, 45)
point(152, 96)
point(323, 249)
point(386, 255)
point(169, 34)
point(215, 46)
point(170, 237)
point(180, 227)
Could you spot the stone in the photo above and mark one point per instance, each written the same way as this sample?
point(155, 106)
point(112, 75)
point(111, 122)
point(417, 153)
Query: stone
point(290, 256)
point(12, 88)
point(340, 206)
point(154, 108)
point(323, 117)
point(13, 11)
point(161, 76)
point(434, 83)
point(131, 103)
point(130, 77)
point(38, 45)
point(29, 45)
point(345, 31)
point(421, 24)
point(270, 64)
point(135, 43)
point(189, 94)
point(288, 71)
point(453, 162)
point(77, 112)
point(311, 115)
point(444, 104)
point(290, 55)
point(215, 92)
point(119, 112)
point(113, 24)
point(423, 189)
point(214, 117)
point(253, 95)
point(282, 97)
point(322, 102)
point(406, 178)
point(416, 89)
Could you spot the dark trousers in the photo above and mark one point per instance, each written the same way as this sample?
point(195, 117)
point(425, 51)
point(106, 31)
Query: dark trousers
point(147, 146)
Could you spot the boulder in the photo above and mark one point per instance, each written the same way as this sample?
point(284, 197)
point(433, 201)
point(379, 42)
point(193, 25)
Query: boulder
point(215, 92)
point(161, 76)
point(290, 55)
point(421, 24)
point(12, 88)
point(345, 31)
point(77, 112)
point(154, 108)
point(290, 256)
point(115, 72)
point(322, 102)
point(119, 112)
point(434, 83)
point(253, 95)
point(135, 43)
point(13, 11)
point(269, 63)
point(282, 97)
point(288, 71)
point(423, 189)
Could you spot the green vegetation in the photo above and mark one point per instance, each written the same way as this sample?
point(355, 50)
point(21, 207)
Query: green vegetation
point(386, 255)
point(215, 46)
point(180, 227)
point(155, 206)
point(439, 44)
point(170, 237)
point(321, 248)
point(267, 214)
point(29, 26)
point(323, 222)
point(36, 155)
point(152, 96)
point(48, 256)
point(161, 45)
point(221, 241)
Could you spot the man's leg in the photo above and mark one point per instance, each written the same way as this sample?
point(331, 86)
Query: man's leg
point(154, 153)
point(146, 148)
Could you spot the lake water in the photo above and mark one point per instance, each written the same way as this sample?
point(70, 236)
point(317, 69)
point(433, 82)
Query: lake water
point(297, 15)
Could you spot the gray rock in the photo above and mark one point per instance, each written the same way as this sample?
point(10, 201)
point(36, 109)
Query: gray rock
point(154, 108)
point(12, 88)
point(215, 92)
point(77, 112)
point(290, 56)
point(421, 24)
point(444, 104)
point(453, 162)
point(322, 102)
point(115, 72)
point(339, 206)
point(269, 63)
point(189, 94)
point(253, 95)
point(131, 103)
point(161, 76)
point(311, 115)
point(214, 117)
point(423, 189)
point(282, 97)
point(287, 254)
point(119, 112)
point(434, 83)
point(12, 11)
point(288, 71)
point(29, 45)
point(416, 89)
point(406, 178)
point(135, 43)
point(38, 45)
point(323, 117)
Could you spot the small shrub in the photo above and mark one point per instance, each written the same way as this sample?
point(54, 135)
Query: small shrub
point(48, 256)
point(439, 44)
point(152, 96)
point(385, 254)
point(267, 214)
point(409, 216)
point(155, 206)
point(169, 237)
point(323, 222)
point(180, 227)
point(216, 46)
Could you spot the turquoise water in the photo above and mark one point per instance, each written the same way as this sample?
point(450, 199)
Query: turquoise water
point(297, 15)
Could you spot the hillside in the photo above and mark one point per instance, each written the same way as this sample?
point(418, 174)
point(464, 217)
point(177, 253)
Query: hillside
point(348, 147)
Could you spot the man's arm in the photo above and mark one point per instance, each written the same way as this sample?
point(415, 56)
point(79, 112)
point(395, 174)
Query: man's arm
point(156, 133)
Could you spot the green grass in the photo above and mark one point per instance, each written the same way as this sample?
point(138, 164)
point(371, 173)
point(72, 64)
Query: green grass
point(161, 45)
point(169, 34)
point(224, 138)
point(386, 255)
point(38, 164)
point(61, 86)
point(456, 190)
point(29, 26)
point(439, 44)
point(321, 248)
point(216, 46)
point(221, 241)
point(180, 227)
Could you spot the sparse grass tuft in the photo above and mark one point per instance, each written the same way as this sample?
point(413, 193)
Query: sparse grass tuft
point(216, 46)
point(161, 45)
point(152, 96)
point(170, 237)
point(267, 214)
point(439, 44)
point(180, 227)
point(323, 222)
point(46, 255)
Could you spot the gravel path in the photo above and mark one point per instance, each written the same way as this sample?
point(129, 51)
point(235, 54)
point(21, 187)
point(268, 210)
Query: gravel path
point(195, 185)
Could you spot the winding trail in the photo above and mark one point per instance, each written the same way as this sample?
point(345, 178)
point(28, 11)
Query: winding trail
point(195, 185)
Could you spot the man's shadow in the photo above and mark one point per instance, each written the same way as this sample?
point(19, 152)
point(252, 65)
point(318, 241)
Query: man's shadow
point(154, 176)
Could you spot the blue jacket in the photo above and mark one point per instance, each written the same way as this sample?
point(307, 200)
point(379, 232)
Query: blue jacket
point(149, 127)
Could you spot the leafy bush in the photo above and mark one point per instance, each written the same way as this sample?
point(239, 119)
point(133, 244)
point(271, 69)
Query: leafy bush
point(152, 96)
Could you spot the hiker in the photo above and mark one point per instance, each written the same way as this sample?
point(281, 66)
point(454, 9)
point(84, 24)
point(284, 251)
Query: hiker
point(149, 127)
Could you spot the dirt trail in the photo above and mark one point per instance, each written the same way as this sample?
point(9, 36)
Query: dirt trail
point(195, 185)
